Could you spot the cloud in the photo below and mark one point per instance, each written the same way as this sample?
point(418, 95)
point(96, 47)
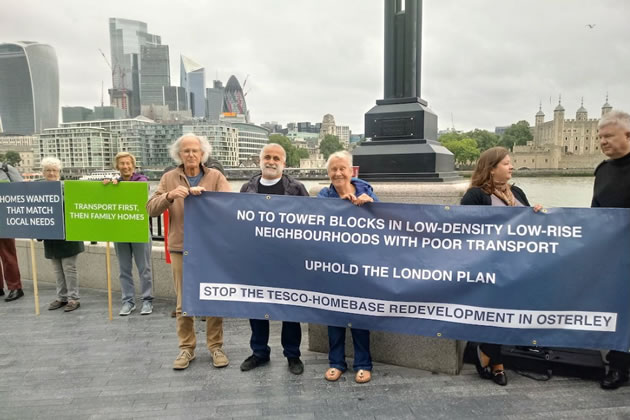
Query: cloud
point(486, 62)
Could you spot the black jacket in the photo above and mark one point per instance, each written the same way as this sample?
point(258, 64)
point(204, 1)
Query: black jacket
point(476, 197)
point(290, 184)
point(58, 248)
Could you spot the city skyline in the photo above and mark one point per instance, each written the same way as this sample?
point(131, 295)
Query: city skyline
point(486, 63)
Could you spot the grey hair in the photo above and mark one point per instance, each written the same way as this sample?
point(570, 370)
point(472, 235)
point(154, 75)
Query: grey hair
point(51, 161)
point(262, 151)
point(342, 154)
point(615, 117)
point(206, 149)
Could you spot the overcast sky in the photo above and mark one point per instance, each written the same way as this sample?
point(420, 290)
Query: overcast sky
point(486, 63)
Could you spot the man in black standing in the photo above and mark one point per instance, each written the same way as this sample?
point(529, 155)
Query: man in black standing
point(612, 189)
point(273, 181)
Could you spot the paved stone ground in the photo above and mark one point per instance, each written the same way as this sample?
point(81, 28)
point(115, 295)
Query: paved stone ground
point(80, 365)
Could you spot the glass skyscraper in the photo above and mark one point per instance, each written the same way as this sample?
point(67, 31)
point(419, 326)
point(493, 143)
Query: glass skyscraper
point(127, 37)
point(234, 99)
point(193, 79)
point(154, 73)
point(29, 87)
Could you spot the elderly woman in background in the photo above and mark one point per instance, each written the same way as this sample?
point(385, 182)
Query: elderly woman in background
point(62, 254)
point(190, 177)
point(128, 251)
point(358, 192)
point(489, 187)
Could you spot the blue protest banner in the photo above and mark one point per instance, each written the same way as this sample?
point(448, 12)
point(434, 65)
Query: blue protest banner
point(31, 210)
point(490, 274)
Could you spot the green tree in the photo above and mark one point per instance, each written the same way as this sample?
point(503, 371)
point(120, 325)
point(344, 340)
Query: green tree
point(465, 150)
point(293, 153)
point(12, 158)
point(485, 139)
point(451, 136)
point(329, 145)
point(516, 135)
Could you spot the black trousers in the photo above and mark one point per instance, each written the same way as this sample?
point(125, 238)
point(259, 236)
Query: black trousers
point(493, 351)
point(619, 360)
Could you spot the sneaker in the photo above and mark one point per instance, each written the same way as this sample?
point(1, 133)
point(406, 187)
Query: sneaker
point(296, 366)
point(252, 362)
point(219, 359)
point(127, 308)
point(56, 305)
point(147, 307)
point(183, 359)
point(71, 306)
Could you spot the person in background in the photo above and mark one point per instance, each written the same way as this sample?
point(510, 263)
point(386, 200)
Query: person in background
point(9, 268)
point(189, 178)
point(128, 251)
point(62, 254)
point(358, 192)
point(489, 186)
point(271, 180)
point(612, 189)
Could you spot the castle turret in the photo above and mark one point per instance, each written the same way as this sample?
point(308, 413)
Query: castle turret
point(581, 114)
point(606, 108)
point(540, 116)
point(558, 122)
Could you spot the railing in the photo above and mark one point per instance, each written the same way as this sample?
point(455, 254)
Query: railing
point(156, 227)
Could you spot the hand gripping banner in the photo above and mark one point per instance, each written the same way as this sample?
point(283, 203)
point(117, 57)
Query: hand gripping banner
point(505, 275)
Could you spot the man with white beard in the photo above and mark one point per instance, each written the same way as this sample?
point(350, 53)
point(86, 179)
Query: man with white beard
point(273, 181)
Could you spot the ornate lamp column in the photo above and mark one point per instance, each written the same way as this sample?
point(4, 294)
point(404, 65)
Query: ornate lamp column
point(402, 129)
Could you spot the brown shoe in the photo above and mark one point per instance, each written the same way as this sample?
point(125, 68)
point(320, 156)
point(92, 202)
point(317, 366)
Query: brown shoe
point(174, 314)
point(56, 305)
point(363, 376)
point(333, 374)
point(183, 359)
point(71, 306)
point(219, 359)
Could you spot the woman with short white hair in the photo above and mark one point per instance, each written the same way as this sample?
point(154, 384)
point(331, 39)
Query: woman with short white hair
point(62, 254)
point(358, 192)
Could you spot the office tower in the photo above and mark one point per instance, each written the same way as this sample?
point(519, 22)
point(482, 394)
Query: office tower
point(75, 113)
point(154, 73)
point(214, 101)
point(234, 99)
point(175, 98)
point(193, 79)
point(127, 37)
point(29, 87)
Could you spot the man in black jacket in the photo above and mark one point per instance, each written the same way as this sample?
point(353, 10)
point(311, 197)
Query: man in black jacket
point(612, 189)
point(273, 181)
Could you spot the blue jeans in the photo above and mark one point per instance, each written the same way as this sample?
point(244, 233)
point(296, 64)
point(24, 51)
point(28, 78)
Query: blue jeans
point(291, 338)
point(141, 253)
point(360, 342)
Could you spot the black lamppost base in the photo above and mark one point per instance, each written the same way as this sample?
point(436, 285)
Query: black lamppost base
point(403, 144)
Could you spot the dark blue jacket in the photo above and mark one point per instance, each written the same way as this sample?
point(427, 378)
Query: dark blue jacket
point(361, 186)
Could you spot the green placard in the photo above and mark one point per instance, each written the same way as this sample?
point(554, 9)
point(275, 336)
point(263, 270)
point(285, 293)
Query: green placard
point(115, 213)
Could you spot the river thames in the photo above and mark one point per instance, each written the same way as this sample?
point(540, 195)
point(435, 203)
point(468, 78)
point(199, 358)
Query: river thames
point(555, 191)
point(548, 191)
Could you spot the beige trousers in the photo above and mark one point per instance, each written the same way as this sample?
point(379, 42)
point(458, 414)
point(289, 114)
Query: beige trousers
point(186, 324)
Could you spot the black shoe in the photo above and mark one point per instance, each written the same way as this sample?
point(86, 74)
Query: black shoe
point(483, 371)
point(14, 294)
point(1, 292)
point(499, 377)
point(252, 362)
point(614, 379)
point(296, 366)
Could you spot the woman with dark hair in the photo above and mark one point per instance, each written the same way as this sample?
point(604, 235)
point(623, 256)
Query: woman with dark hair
point(489, 187)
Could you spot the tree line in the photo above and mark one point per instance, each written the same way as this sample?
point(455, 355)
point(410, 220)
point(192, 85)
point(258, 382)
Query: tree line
point(468, 146)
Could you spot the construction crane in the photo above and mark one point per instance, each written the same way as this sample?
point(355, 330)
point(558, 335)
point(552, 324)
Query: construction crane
point(244, 84)
point(121, 72)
